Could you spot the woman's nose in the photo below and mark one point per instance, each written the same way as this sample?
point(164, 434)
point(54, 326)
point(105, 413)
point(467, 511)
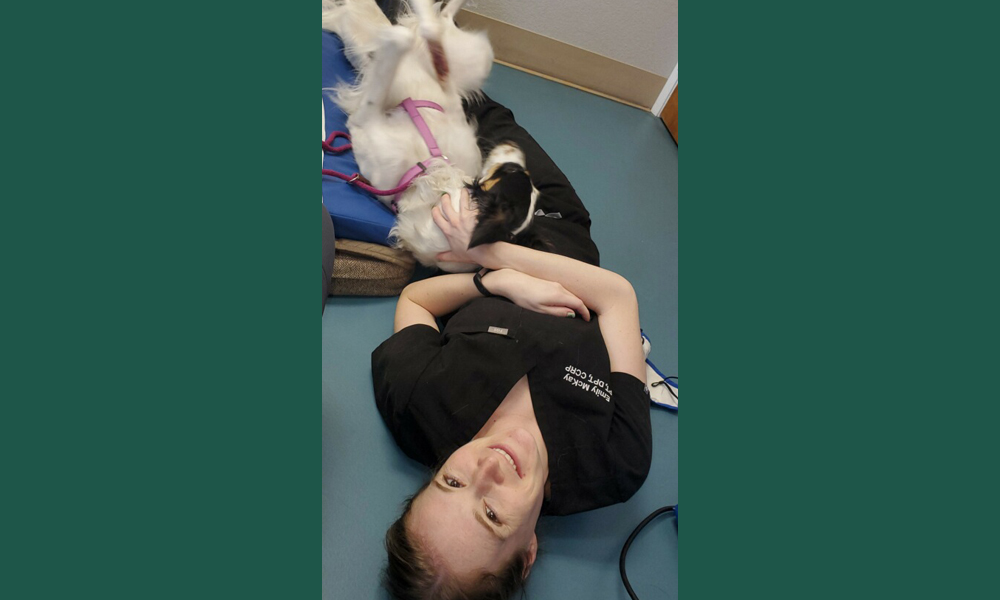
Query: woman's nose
point(490, 468)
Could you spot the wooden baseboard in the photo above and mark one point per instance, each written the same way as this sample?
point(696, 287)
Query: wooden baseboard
point(565, 63)
point(669, 115)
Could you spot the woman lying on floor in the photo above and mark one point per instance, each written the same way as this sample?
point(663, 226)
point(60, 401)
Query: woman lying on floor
point(531, 401)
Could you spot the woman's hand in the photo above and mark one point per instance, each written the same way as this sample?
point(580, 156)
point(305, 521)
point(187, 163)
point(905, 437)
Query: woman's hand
point(457, 226)
point(535, 294)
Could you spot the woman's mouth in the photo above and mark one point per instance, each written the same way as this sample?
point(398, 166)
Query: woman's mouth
point(510, 457)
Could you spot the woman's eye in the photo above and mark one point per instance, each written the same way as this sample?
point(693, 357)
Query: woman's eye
point(452, 482)
point(492, 516)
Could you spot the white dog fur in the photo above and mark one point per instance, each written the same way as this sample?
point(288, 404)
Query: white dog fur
point(395, 63)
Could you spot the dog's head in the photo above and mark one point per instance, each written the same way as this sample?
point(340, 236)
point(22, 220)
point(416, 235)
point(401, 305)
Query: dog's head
point(506, 200)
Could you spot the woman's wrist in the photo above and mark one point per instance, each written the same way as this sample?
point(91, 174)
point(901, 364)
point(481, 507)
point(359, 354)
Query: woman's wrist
point(493, 281)
point(488, 255)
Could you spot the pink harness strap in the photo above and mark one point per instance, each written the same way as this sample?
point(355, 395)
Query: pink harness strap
point(410, 106)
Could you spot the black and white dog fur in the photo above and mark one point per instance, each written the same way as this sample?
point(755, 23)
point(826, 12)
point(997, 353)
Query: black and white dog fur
point(396, 62)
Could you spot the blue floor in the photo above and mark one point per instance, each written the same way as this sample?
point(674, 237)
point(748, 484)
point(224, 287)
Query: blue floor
point(623, 164)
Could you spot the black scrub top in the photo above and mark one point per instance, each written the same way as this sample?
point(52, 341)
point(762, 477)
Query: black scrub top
point(435, 391)
point(564, 221)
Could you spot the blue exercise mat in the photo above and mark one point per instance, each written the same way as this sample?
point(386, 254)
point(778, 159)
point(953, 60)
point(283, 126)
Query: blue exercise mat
point(357, 215)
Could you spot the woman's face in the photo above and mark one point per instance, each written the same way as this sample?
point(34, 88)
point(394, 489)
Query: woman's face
point(482, 506)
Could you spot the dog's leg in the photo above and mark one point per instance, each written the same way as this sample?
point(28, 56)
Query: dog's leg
point(357, 23)
point(392, 44)
point(358, 20)
point(451, 9)
point(430, 22)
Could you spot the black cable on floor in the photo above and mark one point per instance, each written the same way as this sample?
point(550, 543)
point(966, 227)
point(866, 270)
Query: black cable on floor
point(628, 542)
point(665, 381)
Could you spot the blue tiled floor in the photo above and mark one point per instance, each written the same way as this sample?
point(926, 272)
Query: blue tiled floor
point(623, 164)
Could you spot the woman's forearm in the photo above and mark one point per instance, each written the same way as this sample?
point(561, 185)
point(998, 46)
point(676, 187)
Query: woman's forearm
point(599, 288)
point(607, 293)
point(436, 296)
point(610, 295)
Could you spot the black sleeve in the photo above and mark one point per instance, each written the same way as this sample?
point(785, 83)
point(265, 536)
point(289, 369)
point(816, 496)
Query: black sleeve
point(396, 367)
point(631, 435)
point(569, 234)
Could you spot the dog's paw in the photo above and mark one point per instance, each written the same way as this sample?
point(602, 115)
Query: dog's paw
point(431, 30)
point(396, 37)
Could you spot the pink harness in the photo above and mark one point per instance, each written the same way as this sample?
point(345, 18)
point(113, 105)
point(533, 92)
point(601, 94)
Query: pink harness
point(410, 106)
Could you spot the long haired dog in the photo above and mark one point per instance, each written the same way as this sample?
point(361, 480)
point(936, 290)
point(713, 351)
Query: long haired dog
point(426, 59)
point(505, 199)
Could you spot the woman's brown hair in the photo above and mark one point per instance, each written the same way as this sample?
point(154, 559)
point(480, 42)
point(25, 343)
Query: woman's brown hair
point(411, 575)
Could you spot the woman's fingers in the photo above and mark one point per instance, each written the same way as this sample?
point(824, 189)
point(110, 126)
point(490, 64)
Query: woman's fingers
point(558, 311)
point(443, 224)
point(564, 311)
point(449, 209)
point(580, 308)
point(571, 301)
point(577, 306)
point(465, 202)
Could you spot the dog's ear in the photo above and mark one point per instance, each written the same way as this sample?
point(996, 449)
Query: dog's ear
point(489, 229)
point(504, 206)
point(530, 239)
point(490, 223)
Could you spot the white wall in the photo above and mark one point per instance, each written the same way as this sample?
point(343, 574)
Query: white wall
point(641, 33)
